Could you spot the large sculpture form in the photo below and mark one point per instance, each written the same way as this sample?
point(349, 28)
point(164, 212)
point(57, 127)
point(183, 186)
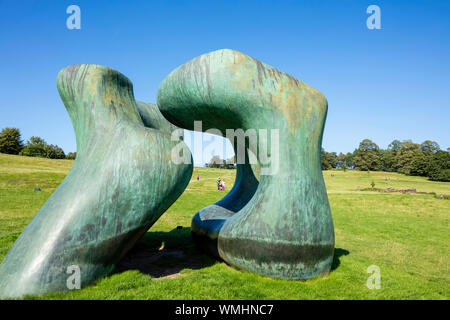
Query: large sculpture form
point(122, 180)
point(282, 226)
point(276, 220)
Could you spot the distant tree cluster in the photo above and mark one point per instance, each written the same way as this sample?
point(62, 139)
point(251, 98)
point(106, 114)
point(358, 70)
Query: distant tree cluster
point(11, 143)
point(218, 162)
point(332, 160)
point(71, 155)
point(425, 159)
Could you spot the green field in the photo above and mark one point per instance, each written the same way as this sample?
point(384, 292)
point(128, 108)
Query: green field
point(405, 235)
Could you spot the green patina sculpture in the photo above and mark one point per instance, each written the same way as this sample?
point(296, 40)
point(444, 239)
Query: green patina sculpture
point(122, 180)
point(276, 221)
point(282, 226)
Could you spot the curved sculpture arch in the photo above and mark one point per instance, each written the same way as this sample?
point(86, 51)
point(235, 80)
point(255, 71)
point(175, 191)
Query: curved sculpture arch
point(285, 229)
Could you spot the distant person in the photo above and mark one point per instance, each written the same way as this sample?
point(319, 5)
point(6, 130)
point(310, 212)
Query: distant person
point(223, 185)
point(218, 184)
point(198, 178)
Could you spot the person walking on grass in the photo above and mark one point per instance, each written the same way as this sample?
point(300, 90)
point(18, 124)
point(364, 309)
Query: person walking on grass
point(218, 184)
point(223, 185)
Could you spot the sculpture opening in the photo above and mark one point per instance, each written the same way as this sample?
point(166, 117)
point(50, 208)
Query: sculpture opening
point(282, 226)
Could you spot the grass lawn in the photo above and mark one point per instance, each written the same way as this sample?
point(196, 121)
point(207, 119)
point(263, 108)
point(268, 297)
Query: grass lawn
point(406, 235)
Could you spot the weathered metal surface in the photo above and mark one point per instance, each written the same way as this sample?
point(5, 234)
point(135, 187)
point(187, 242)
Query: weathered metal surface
point(122, 180)
point(206, 223)
point(285, 230)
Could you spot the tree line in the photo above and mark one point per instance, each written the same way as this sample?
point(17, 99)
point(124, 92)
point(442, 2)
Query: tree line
point(218, 162)
point(11, 143)
point(407, 157)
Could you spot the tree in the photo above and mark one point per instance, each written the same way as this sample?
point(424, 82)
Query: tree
point(405, 155)
point(388, 156)
point(387, 160)
point(439, 166)
point(419, 163)
point(38, 147)
point(340, 159)
point(35, 147)
point(230, 163)
point(324, 160)
point(367, 157)
point(71, 155)
point(10, 141)
point(328, 159)
point(429, 146)
point(215, 162)
point(368, 145)
point(348, 159)
point(54, 152)
point(395, 145)
point(331, 158)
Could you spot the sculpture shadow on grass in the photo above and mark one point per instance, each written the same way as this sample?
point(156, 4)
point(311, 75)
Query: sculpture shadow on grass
point(165, 254)
point(338, 253)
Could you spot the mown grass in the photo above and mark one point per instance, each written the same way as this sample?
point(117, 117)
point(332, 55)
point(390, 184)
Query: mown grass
point(406, 235)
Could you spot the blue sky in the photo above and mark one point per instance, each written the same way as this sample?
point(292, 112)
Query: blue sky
point(386, 84)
